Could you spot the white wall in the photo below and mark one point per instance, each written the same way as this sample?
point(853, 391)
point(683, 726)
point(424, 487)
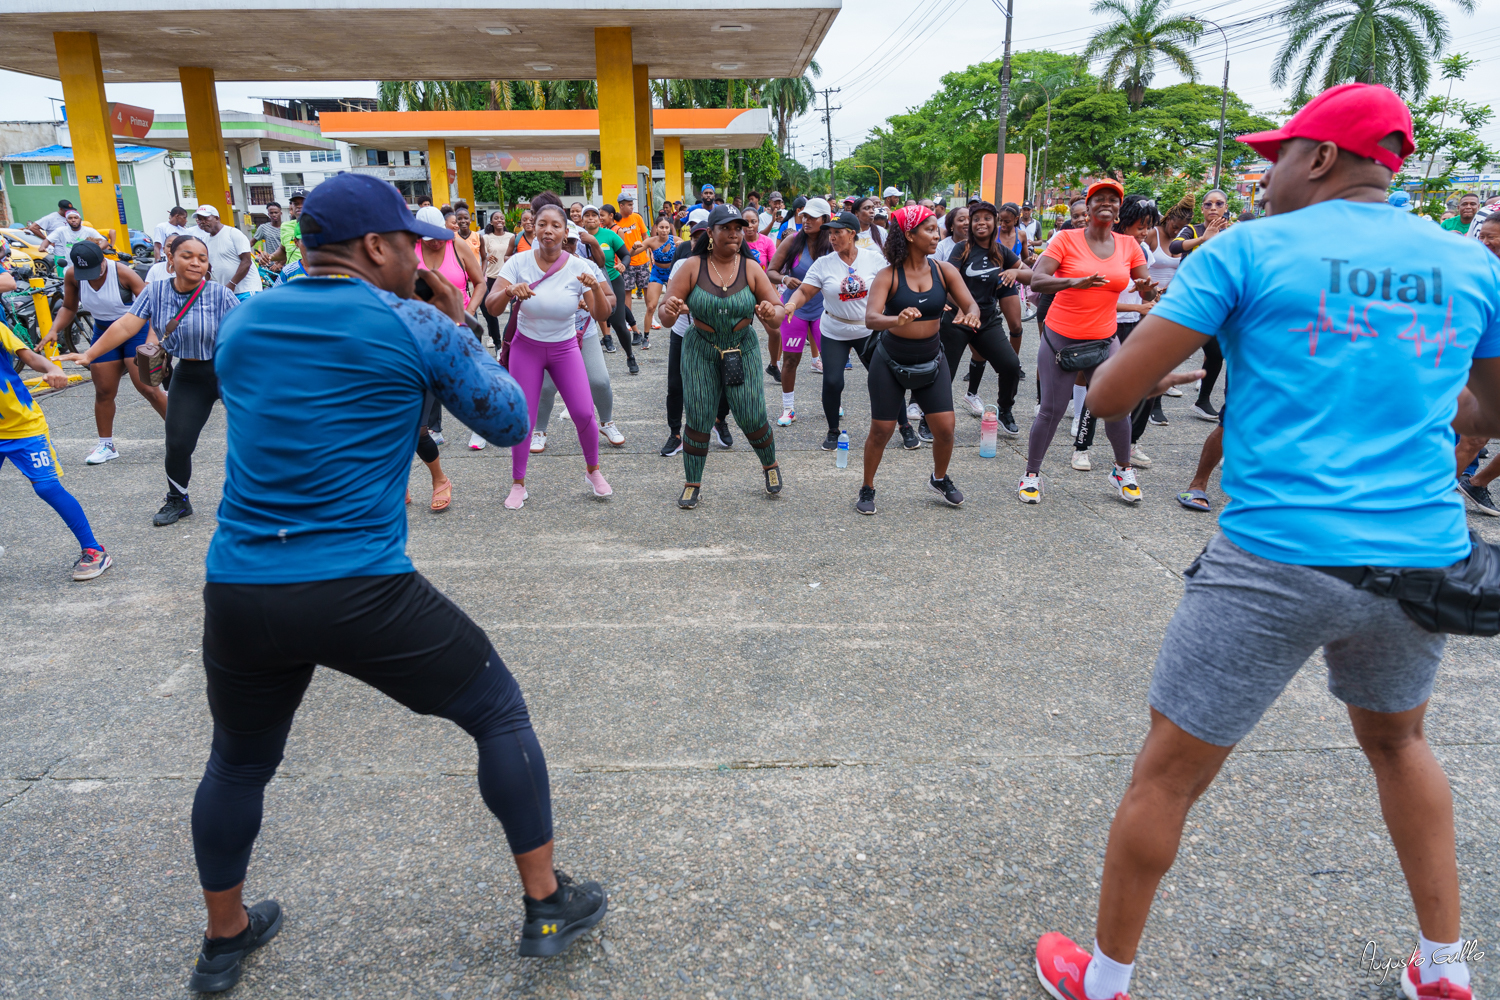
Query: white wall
point(153, 188)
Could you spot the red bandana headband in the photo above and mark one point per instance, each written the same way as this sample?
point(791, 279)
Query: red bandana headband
point(911, 217)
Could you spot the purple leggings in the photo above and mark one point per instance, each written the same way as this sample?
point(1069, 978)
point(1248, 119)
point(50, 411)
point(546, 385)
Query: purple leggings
point(563, 361)
point(1057, 388)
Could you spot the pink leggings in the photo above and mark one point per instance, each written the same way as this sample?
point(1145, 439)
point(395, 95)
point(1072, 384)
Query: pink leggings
point(563, 361)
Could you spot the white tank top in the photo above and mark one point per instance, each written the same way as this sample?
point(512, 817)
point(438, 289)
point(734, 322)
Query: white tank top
point(1163, 266)
point(104, 305)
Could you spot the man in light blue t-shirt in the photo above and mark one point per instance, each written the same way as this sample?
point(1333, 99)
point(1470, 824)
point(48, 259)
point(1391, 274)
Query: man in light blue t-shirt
point(1350, 356)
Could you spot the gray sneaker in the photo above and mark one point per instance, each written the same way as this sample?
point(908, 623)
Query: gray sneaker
point(1479, 496)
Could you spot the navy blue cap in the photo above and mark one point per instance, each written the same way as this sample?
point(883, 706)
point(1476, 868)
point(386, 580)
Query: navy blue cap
point(347, 206)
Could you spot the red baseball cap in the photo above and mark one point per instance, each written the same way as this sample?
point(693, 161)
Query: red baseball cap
point(1355, 116)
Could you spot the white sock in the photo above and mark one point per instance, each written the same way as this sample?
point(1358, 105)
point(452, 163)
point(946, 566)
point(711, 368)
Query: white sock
point(1106, 977)
point(1079, 391)
point(1443, 961)
point(787, 399)
point(108, 442)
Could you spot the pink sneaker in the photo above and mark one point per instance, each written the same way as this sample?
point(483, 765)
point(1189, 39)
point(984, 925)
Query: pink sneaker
point(1060, 967)
point(517, 498)
point(596, 482)
point(1414, 989)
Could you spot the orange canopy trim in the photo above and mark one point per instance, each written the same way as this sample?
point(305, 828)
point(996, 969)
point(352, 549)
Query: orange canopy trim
point(418, 123)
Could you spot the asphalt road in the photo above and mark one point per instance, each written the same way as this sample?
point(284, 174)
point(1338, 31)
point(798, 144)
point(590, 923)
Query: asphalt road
point(810, 754)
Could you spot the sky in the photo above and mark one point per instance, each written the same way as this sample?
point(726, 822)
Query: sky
point(886, 56)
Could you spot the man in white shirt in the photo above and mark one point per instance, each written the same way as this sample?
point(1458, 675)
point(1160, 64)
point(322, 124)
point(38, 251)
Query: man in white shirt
point(63, 238)
point(175, 225)
point(229, 257)
point(48, 223)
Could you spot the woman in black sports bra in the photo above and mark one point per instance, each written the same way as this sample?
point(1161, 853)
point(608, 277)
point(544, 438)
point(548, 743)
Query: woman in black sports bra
point(906, 306)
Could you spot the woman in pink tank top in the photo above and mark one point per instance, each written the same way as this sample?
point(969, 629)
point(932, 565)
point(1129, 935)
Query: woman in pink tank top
point(454, 259)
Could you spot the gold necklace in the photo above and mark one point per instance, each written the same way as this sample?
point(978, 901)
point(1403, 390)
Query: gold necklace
point(714, 273)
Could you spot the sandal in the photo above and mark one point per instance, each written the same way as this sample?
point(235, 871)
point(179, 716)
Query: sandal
point(1192, 498)
point(691, 494)
point(442, 496)
point(773, 479)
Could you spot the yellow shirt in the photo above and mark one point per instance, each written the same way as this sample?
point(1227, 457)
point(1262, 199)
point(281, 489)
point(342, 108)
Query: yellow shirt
point(20, 416)
point(632, 230)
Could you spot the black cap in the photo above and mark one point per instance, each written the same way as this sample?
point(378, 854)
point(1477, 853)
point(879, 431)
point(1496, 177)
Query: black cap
point(723, 215)
point(87, 260)
point(347, 206)
point(844, 220)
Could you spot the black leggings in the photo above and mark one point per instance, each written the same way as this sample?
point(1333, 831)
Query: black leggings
point(888, 397)
point(190, 400)
point(992, 341)
point(395, 633)
point(835, 356)
point(1213, 363)
point(492, 321)
point(617, 319)
point(674, 388)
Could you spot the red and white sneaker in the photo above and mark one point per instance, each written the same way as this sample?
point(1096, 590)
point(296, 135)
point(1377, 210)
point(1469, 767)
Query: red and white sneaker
point(1060, 966)
point(1413, 988)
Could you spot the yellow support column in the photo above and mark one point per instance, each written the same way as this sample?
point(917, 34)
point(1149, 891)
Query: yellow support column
point(88, 124)
point(465, 164)
point(617, 151)
point(641, 81)
point(672, 161)
point(200, 104)
point(437, 171)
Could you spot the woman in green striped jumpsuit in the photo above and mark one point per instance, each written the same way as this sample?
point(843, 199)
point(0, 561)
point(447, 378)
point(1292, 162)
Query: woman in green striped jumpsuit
point(724, 289)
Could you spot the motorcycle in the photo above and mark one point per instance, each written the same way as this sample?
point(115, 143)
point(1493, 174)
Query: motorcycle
point(19, 310)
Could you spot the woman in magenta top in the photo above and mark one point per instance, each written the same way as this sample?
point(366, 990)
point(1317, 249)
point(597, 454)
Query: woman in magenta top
point(762, 245)
point(1086, 269)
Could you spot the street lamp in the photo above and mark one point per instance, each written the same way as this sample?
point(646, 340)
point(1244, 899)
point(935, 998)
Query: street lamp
point(1223, 101)
point(879, 178)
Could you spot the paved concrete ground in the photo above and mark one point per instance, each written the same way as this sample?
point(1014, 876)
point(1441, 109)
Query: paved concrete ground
point(811, 754)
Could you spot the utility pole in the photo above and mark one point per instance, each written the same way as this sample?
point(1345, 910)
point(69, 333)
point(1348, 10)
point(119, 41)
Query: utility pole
point(1004, 105)
point(828, 121)
point(1223, 103)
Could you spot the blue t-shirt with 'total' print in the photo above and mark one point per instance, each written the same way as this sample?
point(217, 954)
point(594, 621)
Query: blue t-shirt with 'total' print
point(1346, 352)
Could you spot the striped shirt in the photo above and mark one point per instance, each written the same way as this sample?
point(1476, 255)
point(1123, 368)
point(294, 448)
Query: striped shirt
point(198, 331)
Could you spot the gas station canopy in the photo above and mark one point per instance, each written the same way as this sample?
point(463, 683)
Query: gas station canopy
point(696, 128)
point(301, 40)
point(238, 128)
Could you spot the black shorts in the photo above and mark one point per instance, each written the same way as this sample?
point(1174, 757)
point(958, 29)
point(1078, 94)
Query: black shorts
point(398, 634)
point(888, 397)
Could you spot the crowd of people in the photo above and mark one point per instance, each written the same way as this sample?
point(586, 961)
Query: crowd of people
point(1334, 517)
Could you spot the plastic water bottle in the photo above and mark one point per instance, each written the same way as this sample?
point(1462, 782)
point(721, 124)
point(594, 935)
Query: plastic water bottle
point(989, 430)
point(841, 457)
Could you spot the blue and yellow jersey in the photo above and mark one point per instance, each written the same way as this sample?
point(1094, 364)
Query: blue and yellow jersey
point(20, 416)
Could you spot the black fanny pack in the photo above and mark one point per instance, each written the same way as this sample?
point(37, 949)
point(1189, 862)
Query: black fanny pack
point(914, 376)
point(1462, 599)
point(1088, 355)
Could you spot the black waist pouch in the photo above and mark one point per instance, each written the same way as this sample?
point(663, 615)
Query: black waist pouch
point(732, 366)
point(1082, 357)
point(1462, 599)
point(915, 375)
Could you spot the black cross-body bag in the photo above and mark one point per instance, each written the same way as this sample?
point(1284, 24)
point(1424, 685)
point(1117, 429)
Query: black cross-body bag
point(1082, 357)
point(1462, 599)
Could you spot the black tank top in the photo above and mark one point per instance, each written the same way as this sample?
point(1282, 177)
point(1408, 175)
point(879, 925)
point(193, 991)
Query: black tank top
point(930, 303)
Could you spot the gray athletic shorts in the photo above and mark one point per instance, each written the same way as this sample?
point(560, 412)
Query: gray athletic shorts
point(636, 276)
point(1245, 627)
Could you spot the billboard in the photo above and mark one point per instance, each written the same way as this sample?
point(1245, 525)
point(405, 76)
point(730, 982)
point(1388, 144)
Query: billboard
point(563, 160)
point(129, 120)
point(1015, 179)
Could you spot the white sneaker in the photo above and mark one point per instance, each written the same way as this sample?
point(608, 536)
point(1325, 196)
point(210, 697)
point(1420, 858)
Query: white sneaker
point(1124, 481)
point(1138, 457)
point(538, 442)
point(787, 418)
point(477, 443)
point(976, 405)
point(1081, 461)
point(1069, 410)
point(103, 453)
point(612, 434)
point(1030, 489)
point(1174, 391)
point(1075, 428)
point(817, 364)
point(913, 411)
point(564, 415)
point(1036, 410)
point(437, 437)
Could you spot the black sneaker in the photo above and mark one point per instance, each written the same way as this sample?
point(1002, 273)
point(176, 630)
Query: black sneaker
point(944, 488)
point(175, 509)
point(722, 437)
point(1008, 423)
point(831, 441)
point(632, 367)
point(553, 923)
point(773, 371)
point(773, 479)
point(866, 503)
point(1158, 417)
point(1204, 410)
point(909, 439)
point(1479, 496)
point(924, 432)
point(218, 966)
point(635, 338)
point(646, 342)
point(672, 447)
point(608, 343)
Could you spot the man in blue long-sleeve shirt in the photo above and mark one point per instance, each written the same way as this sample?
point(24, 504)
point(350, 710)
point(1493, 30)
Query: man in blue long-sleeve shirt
point(323, 382)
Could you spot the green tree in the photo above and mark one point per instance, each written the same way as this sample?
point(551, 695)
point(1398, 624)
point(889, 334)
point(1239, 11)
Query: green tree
point(762, 167)
point(1364, 41)
point(790, 98)
point(1141, 33)
point(1449, 128)
point(518, 184)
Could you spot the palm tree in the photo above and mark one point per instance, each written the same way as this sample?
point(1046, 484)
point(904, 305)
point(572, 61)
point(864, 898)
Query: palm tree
point(1362, 41)
point(1139, 35)
point(789, 98)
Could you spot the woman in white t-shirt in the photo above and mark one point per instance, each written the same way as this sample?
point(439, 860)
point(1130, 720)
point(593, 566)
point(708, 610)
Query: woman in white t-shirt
point(547, 340)
point(843, 278)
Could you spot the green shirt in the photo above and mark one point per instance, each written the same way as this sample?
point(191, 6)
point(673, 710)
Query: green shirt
point(291, 232)
point(614, 248)
point(1456, 225)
